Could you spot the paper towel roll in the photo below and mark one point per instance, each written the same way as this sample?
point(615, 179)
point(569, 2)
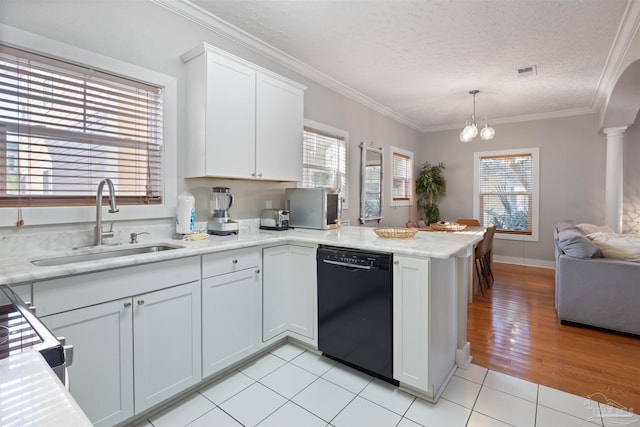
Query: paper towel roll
point(186, 213)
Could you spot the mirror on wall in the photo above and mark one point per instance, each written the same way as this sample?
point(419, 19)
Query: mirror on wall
point(371, 183)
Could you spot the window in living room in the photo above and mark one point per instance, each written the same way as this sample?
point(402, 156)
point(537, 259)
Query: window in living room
point(506, 192)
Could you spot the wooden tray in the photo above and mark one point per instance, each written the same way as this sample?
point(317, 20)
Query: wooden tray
point(452, 226)
point(396, 232)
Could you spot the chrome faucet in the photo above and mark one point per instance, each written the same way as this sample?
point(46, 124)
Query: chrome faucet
point(99, 234)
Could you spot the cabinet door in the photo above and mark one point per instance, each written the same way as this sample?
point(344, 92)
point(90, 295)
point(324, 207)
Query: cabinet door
point(230, 118)
point(279, 126)
point(230, 318)
point(167, 349)
point(411, 321)
point(101, 376)
point(275, 291)
point(302, 291)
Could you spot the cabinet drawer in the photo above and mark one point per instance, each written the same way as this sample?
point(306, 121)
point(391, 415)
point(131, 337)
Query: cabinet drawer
point(68, 293)
point(230, 261)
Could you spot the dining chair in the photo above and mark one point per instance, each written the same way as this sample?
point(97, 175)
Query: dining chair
point(482, 261)
point(469, 222)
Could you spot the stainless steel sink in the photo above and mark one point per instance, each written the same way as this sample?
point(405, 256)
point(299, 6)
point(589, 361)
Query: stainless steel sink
point(103, 254)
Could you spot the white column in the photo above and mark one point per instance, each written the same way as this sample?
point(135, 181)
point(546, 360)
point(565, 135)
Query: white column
point(614, 177)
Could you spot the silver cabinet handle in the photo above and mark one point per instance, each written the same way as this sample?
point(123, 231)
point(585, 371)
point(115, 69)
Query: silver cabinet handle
point(396, 262)
point(235, 261)
point(260, 175)
point(127, 304)
point(140, 301)
point(258, 271)
point(253, 174)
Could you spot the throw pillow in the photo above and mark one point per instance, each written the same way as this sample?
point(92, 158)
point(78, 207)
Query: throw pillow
point(625, 247)
point(575, 244)
point(590, 228)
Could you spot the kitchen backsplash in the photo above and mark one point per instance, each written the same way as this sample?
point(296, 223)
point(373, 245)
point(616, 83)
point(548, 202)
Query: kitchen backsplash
point(30, 241)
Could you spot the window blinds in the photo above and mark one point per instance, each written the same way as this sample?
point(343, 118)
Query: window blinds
point(324, 160)
point(401, 177)
point(506, 192)
point(64, 127)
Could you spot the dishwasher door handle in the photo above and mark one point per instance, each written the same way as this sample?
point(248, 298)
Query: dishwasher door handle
point(345, 264)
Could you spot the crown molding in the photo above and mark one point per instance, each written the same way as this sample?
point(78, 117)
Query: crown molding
point(629, 26)
point(194, 13)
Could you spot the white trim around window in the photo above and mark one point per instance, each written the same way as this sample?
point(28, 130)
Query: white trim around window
point(535, 202)
point(77, 214)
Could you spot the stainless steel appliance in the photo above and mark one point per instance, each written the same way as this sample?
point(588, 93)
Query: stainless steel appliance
point(220, 223)
point(355, 309)
point(317, 208)
point(21, 330)
point(274, 219)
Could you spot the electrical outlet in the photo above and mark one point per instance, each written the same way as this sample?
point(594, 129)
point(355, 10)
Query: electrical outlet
point(269, 204)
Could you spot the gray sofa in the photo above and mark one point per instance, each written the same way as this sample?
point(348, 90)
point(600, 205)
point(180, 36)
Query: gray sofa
point(592, 290)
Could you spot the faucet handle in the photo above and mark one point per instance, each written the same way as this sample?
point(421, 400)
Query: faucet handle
point(134, 236)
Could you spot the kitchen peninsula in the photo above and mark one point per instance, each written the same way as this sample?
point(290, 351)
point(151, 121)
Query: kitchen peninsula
point(273, 275)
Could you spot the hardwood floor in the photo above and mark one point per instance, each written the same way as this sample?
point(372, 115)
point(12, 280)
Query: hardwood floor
point(514, 329)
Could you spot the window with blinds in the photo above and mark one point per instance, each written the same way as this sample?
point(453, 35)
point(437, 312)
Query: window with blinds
point(506, 192)
point(324, 160)
point(402, 175)
point(64, 127)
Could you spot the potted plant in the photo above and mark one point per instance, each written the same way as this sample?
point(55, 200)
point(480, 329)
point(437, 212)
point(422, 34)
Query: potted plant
point(430, 187)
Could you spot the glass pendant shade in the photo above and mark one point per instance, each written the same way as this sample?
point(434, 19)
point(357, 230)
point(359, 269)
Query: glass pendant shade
point(469, 132)
point(487, 132)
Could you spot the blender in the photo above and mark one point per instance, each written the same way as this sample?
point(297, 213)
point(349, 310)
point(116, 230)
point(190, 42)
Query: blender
point(220, 223)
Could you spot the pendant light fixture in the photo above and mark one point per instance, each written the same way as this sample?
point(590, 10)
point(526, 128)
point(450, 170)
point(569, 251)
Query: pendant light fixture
point(470, 130)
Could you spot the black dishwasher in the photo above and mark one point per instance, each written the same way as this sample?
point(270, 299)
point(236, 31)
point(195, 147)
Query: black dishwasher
point(355, 309)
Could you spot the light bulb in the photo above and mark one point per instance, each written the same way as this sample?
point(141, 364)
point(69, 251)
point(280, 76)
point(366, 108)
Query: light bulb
point(470, 131)
point(487, 132)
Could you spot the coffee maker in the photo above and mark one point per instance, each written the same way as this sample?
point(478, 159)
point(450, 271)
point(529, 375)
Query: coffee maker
point(220, 223)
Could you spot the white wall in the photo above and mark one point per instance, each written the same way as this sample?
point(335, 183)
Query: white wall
point(572, 172)
point(146, 34)
point(631, 179)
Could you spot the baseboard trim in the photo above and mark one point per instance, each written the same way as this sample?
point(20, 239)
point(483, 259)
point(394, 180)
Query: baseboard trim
point(528, 262)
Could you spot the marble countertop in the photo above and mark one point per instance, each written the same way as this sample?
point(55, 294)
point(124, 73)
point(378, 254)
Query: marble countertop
point(40, 399)
point(426, 244)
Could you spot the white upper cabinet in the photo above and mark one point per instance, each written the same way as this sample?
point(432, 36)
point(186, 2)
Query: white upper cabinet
point(242, 121)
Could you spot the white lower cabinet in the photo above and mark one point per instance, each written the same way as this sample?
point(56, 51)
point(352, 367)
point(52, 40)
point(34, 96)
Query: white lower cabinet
point(149, 342)
point(230, 318)
point(290, 293)
point(231, 308)
point(424, 323)
point(166, 345)
point(101, 376)
point(134, 346)
point(411, 321)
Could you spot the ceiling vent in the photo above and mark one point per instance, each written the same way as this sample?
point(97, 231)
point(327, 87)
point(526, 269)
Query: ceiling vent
point(528, 71)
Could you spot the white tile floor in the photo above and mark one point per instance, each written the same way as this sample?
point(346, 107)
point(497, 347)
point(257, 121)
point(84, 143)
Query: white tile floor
point(293, 387)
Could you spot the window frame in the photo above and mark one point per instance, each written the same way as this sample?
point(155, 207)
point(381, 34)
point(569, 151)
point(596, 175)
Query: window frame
point(338, 133)
point(535, 189)
point(411, 179)
point(20, 39)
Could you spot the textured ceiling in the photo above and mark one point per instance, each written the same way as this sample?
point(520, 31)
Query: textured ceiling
point(421, 58)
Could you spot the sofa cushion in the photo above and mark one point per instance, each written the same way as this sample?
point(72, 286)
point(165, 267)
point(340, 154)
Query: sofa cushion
point(565, 225)
point(577, 245)
point(624, 247)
